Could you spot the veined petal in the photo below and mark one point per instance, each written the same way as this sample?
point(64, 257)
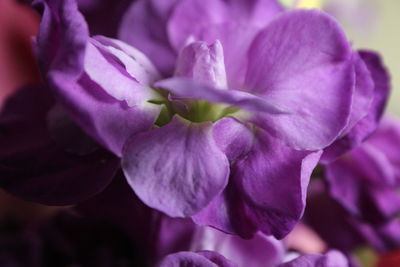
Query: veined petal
point(177, 169)
point(267, 190)
point(363, 126)
point(187, 88)
point(302, 62)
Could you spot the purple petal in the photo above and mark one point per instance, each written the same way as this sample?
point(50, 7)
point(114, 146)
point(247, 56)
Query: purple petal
point(144, 27)
point(187, 88)
point(233, 23)
point(77, 75)
point(233, 138)
point(203, 63)
point(258, 251)
point(199, 259)
point(62, 37)
point(177, 169)
point(302, 62)
point(362, 182)
point(354, 135)
point(106, 119)
point(274, 180)
point(387, 140)
point(331, 258)
point(36, 168)
point(267, 190)
point(128, 81)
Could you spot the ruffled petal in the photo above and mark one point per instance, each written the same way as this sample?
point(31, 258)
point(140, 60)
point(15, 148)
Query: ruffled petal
point(362, 182)
point(355, 134)
point(93, 78)
point(177, 169)
point(267, 190)
point(233, 138)
point(302, 62)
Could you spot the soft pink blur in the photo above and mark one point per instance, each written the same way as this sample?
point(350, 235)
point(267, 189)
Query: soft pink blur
point(305, 240)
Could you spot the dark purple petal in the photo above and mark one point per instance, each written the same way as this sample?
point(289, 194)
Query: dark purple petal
point(354, 135)
point(177, 169)
point(387, 140)
point(267, 191)
point(35, 167)
point(362, 181)
point(274, 180)
point(193, 259)
point(330, 259)
point(144, 27)
point(302, 62)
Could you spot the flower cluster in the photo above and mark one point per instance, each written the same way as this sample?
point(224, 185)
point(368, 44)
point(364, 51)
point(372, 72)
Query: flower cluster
point(197, 126)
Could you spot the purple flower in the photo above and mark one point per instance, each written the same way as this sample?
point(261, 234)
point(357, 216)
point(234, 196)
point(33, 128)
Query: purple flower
point(343, 230)
point(232, 138)
point(365, 180)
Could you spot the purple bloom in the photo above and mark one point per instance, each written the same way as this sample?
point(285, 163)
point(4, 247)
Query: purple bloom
point(232, 138)
point(365, 181)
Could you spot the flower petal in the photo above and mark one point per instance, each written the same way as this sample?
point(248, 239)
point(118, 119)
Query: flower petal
point(355, 134)
point(66, 53)
point(233, 23)
point(103, 117)
point(274, 179)
point(331, 258)
point(177, 169)
point(261, 250)
point(203, 63)
point(362, 182)
point(267, 190)
point(187, 88)
point(233, 137)
point(62, 37)
point(193, 259)
point(302, 62)
point(144, 27)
